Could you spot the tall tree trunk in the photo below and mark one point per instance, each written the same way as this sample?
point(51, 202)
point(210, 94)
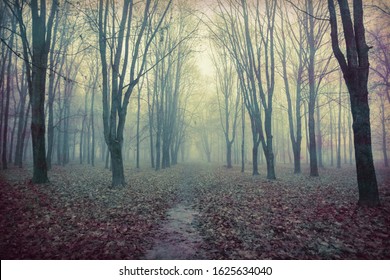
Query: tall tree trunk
point(27, 147)
point(255, 152)
point(312, 141)
point(51, 95)
point(307, 134)
point(255, 169)
point(312, 93)
point(350, 143)
point(339, 131)
point(12, 140)
point(151, 106)
point(38, 118)
point(86, 131)
point(331, 134)
point(118, 178)
point(298, 119)
point(367, 184)
point(6, 109)
point(345, 143)
point(243, 137)
point(151, 143)
point(89, 142)
point(384, 133)
point(268, 149)
point(65, 141)
point(81, 141)
point(138, 120)
point(59, 137)
point(297, 158)
point(50, 122)
point(21, 123)
point(319, 136)
point(229, 154)
point(41, 37)
point(36, 76)
point(93, 127)
point(23, 137)
point(356, 70)
point(158, 147)
point(2, 76)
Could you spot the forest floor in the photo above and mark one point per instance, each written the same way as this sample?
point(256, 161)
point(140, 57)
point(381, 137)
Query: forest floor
point(191, 211)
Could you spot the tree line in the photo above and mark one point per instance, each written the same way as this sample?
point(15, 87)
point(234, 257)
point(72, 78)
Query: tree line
point(71, 72)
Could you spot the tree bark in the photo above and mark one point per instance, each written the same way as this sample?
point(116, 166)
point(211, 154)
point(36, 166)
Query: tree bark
point(36, 76)
point(268, 148)
point(356, 70)
point(93, 127)
point(118, 178)
point(312, 93)
point(384, 133)
point(51, 96)
point(21, 123)
point(339, 131)
point(12, 138)
point(357, 86)
point(243, 136)
point(312, 141)
point(138, 120)
point(319, 136)
point(6, 109)
point(331, 134)
point(229, 155)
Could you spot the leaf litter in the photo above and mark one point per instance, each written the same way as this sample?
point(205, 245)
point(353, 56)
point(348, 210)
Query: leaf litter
point(200, 211)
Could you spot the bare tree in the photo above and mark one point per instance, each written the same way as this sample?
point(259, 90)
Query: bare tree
point(383, 119)
point(312, 88)
point(62, 39)
point(355, 70)
point(7, 90)
point(380, 82)
point(35, 55)
point(289, 57)
point(339, 128)
point(127, 62)
point(228, 101)
point(167, 87)
point(381, 59)
point(249, 39)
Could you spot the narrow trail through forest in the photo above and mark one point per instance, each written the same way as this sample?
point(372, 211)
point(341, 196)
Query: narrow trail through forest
point(178, 238)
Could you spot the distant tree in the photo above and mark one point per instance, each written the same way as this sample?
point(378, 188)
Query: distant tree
point(228, 99)
point(6, 89)
point(249, 38)
point(62, 39)
point(383, 119)
point(380, 83)
point(381, 59)
point(339, 127)
point(21, 85)
point(296, 57)
point(355, 70)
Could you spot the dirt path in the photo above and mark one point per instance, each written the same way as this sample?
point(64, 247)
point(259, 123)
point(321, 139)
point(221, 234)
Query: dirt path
point(178, 237)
